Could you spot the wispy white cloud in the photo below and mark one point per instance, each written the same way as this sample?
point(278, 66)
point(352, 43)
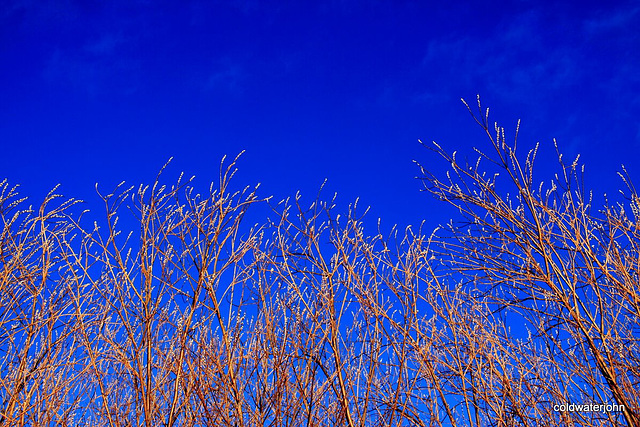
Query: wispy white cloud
point(611, 20)
point(583, 68)
point(200, 9)
point(515, 60)
point(95, 66)
point(106, 44)
point(227, 75)
point(36, 10)
point(523, 60)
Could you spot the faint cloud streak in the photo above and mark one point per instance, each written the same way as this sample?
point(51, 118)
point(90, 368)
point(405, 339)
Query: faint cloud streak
point(97, 66)
point(469, 63)
point(228, 75)
point(614, 20)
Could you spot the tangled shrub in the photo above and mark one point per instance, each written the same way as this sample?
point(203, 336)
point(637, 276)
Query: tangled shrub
point(193, 319)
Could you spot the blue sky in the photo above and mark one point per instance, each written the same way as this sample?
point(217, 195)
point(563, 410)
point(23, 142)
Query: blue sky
point(342, 90)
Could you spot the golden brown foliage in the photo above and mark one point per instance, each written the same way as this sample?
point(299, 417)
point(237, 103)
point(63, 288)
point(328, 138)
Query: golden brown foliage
point(194, 319)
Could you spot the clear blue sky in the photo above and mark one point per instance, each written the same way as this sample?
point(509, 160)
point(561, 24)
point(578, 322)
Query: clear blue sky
point(108, 91)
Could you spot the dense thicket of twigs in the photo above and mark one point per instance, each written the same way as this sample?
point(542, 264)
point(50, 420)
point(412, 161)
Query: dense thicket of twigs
point(529, 300)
